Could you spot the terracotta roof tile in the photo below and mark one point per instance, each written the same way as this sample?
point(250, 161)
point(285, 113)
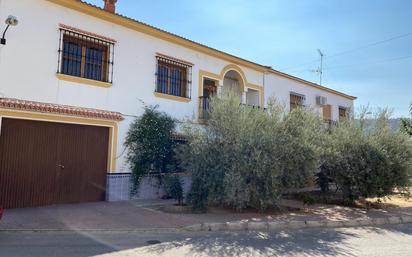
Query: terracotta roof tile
point(24, 105)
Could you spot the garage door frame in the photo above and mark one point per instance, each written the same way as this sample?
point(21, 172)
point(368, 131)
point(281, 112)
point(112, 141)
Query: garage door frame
point(112, 125)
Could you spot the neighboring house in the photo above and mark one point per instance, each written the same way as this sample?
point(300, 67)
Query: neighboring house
point(72, 75)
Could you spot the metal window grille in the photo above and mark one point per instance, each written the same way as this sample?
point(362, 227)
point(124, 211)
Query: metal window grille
point(296, 100)
point(343, 112)
point(85, 56)
point(173, 77)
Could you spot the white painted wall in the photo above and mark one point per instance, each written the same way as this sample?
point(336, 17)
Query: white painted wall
point(252, 97)
point(28, 66)
point(280, 88)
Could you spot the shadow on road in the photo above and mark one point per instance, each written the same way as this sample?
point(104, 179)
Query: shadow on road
point(323, 243)
point(307, 242)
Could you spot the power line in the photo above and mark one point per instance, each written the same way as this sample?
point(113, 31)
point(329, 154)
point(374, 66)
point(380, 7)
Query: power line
point(371, 63)
point(352, 50)
point(370, 45)
point(357, 65)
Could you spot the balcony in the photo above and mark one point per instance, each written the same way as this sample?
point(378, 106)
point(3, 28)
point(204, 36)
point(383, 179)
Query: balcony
point(330, 123)
point(204, 108)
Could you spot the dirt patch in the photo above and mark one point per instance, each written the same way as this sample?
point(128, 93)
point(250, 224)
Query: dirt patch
point(393, 201)
point(397, 200)
point(279, 210)
point(174, 208)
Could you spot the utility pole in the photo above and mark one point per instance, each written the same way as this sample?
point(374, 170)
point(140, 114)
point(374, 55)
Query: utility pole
point(320, 69)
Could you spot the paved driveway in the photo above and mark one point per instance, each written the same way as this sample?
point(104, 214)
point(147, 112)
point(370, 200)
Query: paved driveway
point(99, 215)
point(130, 215)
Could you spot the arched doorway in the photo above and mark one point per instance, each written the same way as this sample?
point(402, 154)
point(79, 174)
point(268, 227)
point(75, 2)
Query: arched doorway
point(233, 81)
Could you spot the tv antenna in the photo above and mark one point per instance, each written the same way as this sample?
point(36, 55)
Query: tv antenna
point(319, 70)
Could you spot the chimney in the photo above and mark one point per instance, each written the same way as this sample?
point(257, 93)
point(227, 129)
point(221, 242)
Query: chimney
point(110, 5)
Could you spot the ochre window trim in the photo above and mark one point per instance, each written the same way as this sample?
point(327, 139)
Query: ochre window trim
point(80, 80)
point(172, 97)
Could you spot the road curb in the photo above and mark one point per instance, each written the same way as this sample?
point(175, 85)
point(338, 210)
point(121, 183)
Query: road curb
point(91, 231)
point(234, 226)
point(274, 226)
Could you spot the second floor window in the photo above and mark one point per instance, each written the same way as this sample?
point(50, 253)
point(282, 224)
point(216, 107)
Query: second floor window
point(343, 113)
point(86, 57)
point(296, 101)
point(173, 77)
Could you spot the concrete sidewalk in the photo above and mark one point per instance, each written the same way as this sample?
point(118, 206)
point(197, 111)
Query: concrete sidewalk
point(146, 215)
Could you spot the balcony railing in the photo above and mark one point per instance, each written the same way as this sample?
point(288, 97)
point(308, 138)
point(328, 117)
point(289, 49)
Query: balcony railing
point(330, 123)
point(204, 107)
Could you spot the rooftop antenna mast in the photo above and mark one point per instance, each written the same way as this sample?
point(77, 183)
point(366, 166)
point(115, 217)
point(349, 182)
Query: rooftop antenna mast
point(320, 69)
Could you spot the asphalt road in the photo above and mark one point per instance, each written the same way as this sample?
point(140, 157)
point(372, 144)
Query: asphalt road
point(391, 240)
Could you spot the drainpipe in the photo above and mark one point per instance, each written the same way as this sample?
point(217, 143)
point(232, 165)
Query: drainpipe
point(263, 95)
point(264, 85)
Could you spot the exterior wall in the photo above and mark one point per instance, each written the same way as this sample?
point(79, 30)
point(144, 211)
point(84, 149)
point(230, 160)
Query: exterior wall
point(280, 88)
point(28, 66)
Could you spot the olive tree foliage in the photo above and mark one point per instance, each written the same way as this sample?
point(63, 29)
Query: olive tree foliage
point(247, 157)
point(173, 187)
point(366, 160)
point(406, 124)
point(150, 149)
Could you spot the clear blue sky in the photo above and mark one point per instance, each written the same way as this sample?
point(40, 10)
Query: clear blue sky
point(285, 35)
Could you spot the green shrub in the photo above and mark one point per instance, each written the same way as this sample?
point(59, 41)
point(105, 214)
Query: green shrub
point(306, 198)
point(406, 124)
point(150, 149)
point(172, 185)
point(247, 157)
point(366, 161)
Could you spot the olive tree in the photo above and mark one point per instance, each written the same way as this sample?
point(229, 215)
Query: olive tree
point(406, 124)
point(366, 160)
point(246, 157)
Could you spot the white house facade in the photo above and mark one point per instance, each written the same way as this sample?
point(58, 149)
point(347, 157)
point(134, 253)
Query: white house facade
point(82, 71)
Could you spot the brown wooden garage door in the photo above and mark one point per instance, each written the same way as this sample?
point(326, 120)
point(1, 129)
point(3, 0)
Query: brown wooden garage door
point(44, 163)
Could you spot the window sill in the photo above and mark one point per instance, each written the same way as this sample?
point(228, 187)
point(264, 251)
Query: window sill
point(172, 97)
point(79, 80)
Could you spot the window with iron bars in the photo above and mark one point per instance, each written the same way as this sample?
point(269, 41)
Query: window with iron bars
point(343, 113)
point(296, 101)
point(85, 56)
point(173, 77)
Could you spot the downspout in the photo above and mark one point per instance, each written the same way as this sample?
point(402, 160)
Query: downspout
point(263, 95)
point(264, 85)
